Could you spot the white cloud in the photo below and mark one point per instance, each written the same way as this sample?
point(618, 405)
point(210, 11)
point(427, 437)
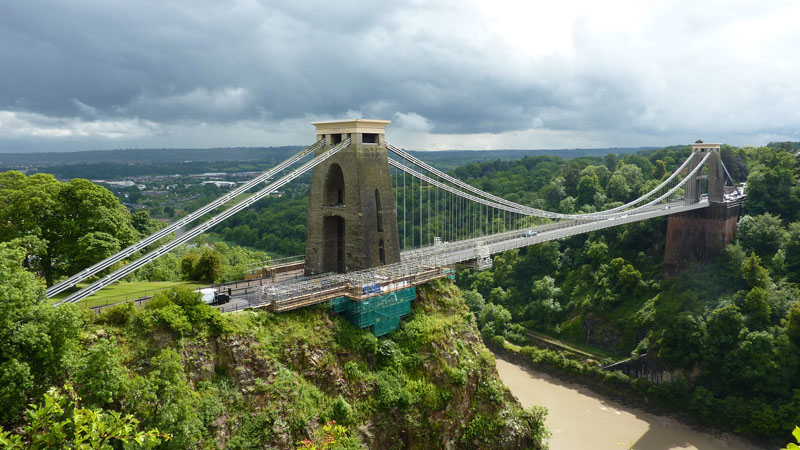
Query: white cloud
point(413, 122)
point(23, 125)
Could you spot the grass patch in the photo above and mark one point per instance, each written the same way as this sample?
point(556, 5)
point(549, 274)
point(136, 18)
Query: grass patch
point(123, 291)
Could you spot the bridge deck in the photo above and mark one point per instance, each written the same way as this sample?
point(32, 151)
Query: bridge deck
point(427, 263)
point(325, 289)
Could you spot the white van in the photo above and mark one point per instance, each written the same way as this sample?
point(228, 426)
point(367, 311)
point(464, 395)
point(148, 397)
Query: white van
point(208, 295)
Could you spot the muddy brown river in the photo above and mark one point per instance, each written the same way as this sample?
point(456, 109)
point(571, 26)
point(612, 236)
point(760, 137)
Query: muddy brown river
point(580, 419)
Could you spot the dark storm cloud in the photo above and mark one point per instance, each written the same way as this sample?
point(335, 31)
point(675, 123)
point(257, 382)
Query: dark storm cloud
point(94, 71)
point(205, 61)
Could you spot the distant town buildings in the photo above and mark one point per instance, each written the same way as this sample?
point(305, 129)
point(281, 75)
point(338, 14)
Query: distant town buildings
point(222, 184)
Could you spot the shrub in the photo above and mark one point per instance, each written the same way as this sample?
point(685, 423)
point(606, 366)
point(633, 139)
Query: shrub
point(391, 391)
point(180, 310)
point(354, 339)
point(119, 315)
point(341, 411)
point(482, 429)
point(573, 329)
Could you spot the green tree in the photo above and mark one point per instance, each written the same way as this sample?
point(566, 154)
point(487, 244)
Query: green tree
point(553, 193)
point(164, 400)
point(544, 307)
point(483, 283)
point(95, 246)
point(474, 300)
point(624, 275)
point(762, 234)
point(681, 340)
point(772, 184)
point(734, 160)
point(618, 189)
point(660, 170)
point(144, 224)
point(603, 175)
point(643, 164)
point(792, 323)
point(572, 176)
point(208, 267)
point(633, 177)
point(792, 251)
point(99, 374)
point(610, 160)
point(753, 273)
point(725, 326)
point(587, 188)
point(495, 315)
point(61, 216)
point(36, 337)
point(597, 252)
point(539, 260)
point(757, 307)
point(188, 262)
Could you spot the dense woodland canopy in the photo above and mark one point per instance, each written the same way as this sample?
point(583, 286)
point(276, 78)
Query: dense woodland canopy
point(732, 326)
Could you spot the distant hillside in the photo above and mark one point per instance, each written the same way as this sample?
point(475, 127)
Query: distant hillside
point(450, 159)
point(150, 155)
point(788, 146)
point(134, 162)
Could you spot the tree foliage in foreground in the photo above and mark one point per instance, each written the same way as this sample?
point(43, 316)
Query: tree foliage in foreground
point(36, 337)
point(59, 422)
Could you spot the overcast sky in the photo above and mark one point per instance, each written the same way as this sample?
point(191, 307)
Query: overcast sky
point(103, 74)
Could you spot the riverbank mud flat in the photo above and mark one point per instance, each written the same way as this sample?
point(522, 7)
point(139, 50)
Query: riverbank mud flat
point(580, 418)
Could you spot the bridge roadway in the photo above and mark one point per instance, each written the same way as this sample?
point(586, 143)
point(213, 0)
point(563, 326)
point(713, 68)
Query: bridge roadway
point(423, 264)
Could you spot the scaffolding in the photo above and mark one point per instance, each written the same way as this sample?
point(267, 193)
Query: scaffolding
point(381, 312)
point(358, 286)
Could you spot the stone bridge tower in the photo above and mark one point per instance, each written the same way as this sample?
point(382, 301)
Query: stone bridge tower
point(699, 235)
point(352, 218)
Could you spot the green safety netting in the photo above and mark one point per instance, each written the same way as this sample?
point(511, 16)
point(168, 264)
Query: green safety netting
point(382, 312)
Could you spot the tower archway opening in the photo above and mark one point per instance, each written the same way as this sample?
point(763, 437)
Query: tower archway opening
point(334, 185)
point(333, 251)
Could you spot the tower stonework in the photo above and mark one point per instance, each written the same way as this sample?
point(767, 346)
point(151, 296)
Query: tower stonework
point(352, 218)
point(701, 234)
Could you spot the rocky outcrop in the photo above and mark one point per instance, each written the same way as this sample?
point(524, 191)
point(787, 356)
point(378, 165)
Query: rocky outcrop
point(430, 384)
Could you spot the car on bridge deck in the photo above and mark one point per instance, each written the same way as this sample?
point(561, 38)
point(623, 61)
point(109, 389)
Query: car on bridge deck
point(210, 296)
point(530, 233)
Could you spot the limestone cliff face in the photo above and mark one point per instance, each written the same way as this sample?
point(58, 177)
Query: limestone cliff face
point(430, 384)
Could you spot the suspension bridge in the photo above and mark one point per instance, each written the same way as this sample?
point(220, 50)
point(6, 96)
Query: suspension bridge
point(382, 221)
